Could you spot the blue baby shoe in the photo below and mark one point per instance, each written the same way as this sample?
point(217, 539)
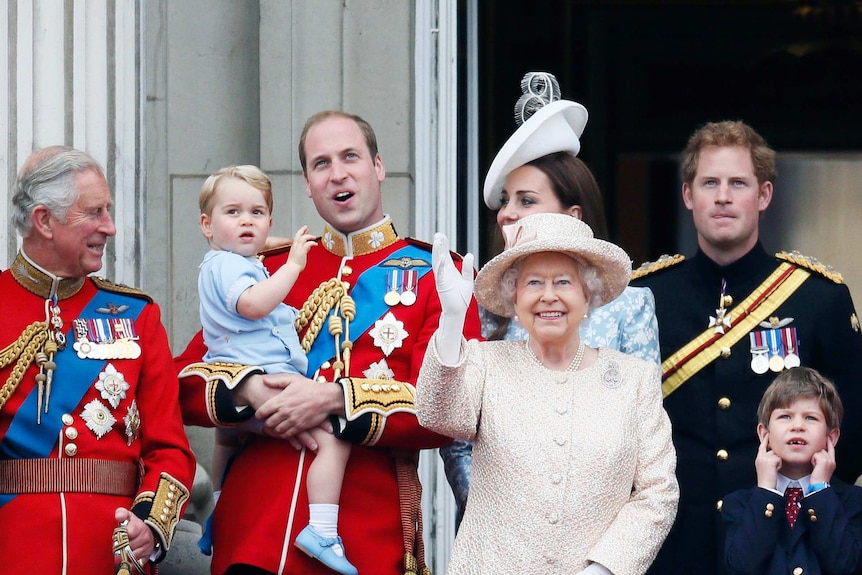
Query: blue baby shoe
point(319, 547)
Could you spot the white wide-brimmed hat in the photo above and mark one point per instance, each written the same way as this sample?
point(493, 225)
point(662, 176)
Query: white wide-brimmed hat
point(555, 127)
point(552, 232)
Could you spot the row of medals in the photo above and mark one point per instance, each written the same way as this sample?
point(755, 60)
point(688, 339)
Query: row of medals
point(761, 362)
point(87, 348)
point(761, 358)
point(401, 286)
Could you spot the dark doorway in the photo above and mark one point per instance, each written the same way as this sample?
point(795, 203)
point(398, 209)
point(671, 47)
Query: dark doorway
point(650, 73)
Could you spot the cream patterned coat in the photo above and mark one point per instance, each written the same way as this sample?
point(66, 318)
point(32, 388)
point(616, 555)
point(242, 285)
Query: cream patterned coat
point(568, 467)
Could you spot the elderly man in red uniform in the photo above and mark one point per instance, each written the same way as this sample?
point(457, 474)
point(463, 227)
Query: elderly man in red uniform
point(368, 307)
point(95, 466)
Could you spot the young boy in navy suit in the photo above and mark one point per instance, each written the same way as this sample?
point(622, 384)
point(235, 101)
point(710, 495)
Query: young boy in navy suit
point(797, 519)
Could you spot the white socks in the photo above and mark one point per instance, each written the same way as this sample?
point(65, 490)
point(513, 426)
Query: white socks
point(323, 517)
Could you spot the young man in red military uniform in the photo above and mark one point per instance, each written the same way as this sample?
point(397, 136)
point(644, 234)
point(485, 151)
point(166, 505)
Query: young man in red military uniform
point(91, 436)
point(368, 307)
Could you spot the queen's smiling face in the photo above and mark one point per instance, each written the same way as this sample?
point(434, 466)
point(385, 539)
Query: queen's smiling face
point(550, 298)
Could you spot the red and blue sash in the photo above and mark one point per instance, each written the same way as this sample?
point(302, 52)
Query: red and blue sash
point(369, 304)
point(25, 439)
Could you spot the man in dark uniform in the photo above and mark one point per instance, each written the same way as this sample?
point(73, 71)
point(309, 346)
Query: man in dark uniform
point(730, 319)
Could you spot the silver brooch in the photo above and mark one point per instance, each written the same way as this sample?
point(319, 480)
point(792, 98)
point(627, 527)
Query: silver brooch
point(612, 378)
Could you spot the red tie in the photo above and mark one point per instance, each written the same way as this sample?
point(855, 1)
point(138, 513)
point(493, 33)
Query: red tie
point(793, 495)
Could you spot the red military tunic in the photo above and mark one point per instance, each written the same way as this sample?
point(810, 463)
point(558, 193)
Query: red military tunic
point(260, 510)
point(127, 434)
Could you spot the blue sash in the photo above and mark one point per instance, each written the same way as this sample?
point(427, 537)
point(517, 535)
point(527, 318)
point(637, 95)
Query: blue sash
point(369, 305)
point(25, 439)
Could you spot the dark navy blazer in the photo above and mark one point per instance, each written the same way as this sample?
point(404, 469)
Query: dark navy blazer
point(827, 538)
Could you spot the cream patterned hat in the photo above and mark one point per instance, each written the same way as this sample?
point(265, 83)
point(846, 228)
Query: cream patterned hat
point(552, 232)
point(547, 125)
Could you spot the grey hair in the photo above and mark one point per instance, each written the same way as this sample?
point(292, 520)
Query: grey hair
point(587, 273)
point(47, 179)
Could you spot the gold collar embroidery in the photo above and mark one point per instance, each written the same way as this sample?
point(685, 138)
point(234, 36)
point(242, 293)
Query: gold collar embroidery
point(362, 242)
point(41, 282)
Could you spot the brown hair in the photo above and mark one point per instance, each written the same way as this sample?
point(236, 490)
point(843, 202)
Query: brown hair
point(252, 175)
point(364, 127)
point(728, 134)
point(574, 185)
point(802, 382)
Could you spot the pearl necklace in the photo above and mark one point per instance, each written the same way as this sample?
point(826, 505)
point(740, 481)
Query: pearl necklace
point(573, 366)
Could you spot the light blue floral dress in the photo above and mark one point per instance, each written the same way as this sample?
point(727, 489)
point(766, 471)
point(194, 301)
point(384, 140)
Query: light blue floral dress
point(627, 324)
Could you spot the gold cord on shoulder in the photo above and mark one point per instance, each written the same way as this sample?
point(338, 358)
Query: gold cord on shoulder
point(23, 350)
point(329, 299)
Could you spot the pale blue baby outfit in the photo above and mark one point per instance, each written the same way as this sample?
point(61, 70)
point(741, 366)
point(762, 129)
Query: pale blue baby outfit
point(270, 342)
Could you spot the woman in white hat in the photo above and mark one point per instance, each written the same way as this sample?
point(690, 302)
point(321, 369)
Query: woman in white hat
point(537, 171)
point(573, 461)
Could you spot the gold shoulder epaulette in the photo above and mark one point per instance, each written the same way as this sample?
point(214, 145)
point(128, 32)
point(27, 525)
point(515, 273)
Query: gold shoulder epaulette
point(665, 261)
point(110, 286)
point(810, 263)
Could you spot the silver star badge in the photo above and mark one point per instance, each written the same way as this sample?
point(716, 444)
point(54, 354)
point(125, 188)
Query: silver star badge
point(388, 333)
point(133, 422)
point(379, 370)
point(98, 418)
point(112, 384)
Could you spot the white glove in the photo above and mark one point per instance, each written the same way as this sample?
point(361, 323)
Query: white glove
point(455, 290)
point(595, 569)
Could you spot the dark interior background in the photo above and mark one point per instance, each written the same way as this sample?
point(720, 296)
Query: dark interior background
point(650, 73)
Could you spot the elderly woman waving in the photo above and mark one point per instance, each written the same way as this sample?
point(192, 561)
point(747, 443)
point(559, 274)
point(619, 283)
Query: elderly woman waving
point(573, 465)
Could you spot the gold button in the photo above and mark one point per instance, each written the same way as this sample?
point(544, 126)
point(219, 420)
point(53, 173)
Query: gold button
point(724, 403)
point(798, 571)
point(71, 449)
point(67, 419)
point(346, 270)
point(725, 352)
point(722, 454)
point(719, 504)
point(770, 507)
point(727, 300)
point(810, 512)
point(768, 513)
point(71, 433)
point(814, 519)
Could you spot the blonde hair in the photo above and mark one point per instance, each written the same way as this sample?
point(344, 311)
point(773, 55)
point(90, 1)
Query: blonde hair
point(252, 175)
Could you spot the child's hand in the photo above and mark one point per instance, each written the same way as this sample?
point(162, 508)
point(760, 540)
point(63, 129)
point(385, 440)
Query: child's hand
point(824, 463)
point(302, 243)
point(766, 464)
